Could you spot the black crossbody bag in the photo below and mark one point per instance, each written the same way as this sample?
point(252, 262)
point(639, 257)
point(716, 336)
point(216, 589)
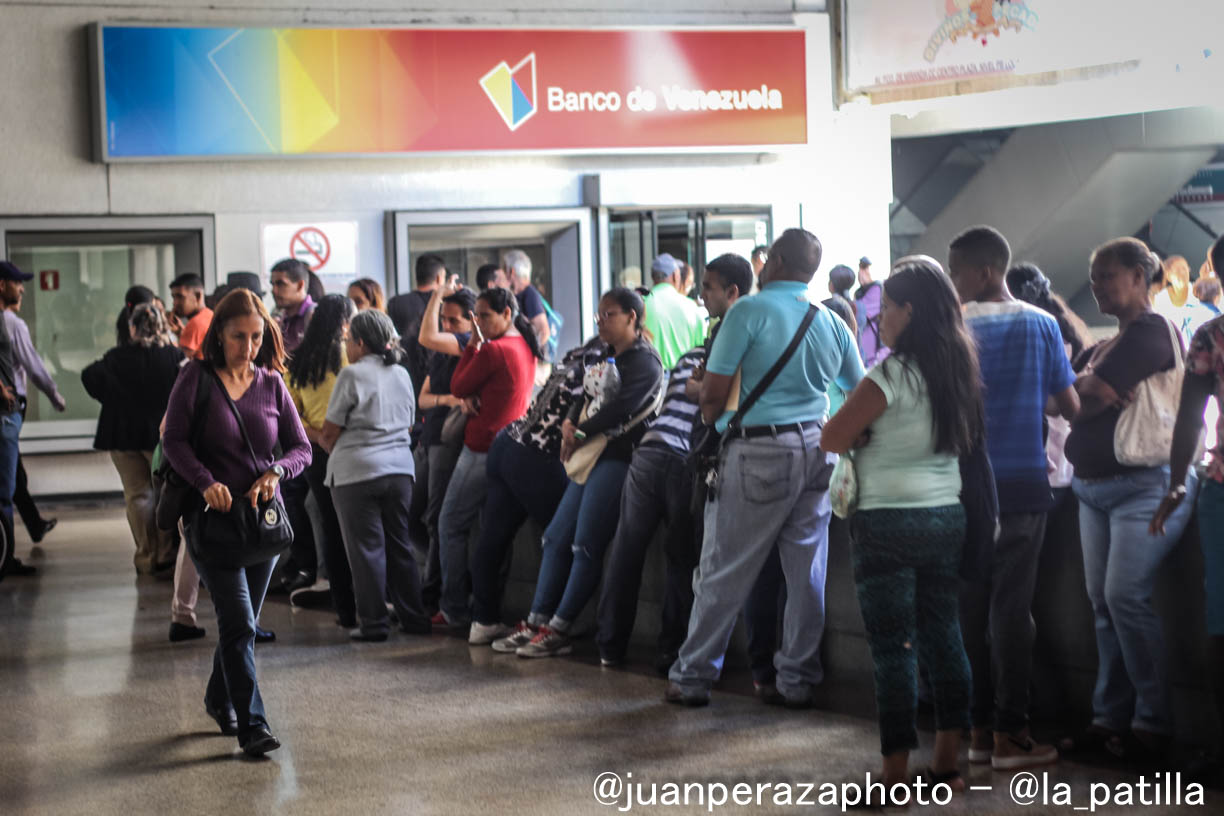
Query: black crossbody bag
point(708, 447)
point(245, 535)
point(175, 494)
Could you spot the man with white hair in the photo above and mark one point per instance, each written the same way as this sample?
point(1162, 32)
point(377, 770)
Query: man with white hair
point(517, 267)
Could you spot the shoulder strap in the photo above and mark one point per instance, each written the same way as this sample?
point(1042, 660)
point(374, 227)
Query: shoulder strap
point(772, 374)
point(653, 404)
point(238, 417)
point(196, 423)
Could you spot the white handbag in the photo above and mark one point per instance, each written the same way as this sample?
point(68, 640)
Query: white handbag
point(1144, 434)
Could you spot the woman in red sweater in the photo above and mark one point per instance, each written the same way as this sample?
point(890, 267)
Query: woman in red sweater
point(494, 379)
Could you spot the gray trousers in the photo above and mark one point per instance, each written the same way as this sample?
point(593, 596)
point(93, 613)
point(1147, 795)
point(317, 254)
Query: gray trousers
point(998, 628)
point(374, 522)
point(772, 492)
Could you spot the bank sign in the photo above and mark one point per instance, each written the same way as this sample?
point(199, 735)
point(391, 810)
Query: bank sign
point(172, 92)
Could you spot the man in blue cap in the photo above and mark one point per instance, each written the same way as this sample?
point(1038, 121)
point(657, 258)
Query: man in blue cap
point(674, 323)
point(10, 429)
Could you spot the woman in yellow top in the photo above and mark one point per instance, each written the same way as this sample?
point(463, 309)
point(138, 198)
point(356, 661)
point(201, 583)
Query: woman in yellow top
point(311, 378)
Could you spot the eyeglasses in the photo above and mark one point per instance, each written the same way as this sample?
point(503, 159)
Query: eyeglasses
point(600, 317)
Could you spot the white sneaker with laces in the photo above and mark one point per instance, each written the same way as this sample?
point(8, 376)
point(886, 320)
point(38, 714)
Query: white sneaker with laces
point(483, 634)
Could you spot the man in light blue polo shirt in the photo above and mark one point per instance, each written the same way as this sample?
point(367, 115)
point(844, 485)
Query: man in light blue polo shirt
point(773, 477)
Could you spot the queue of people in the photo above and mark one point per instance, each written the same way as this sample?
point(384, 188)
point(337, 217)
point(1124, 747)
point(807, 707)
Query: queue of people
point(424, 453)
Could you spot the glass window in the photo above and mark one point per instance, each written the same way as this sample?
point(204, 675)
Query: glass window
point(73, 303)
point(692, 236)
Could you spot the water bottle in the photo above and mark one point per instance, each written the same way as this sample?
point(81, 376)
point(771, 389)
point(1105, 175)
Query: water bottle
point(603, 381)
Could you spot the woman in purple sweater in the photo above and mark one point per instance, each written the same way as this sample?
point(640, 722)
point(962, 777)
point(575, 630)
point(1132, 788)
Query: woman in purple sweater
point(243, 353)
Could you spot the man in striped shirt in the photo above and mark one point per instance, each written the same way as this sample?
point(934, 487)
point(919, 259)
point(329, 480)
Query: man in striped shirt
point(659, 488)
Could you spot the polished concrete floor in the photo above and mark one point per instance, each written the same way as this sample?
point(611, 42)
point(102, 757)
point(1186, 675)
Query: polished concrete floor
point(100, 714)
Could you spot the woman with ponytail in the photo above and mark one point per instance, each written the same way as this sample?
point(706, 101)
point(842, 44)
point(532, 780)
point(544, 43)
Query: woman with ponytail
point(368, 435)
point(493, 378)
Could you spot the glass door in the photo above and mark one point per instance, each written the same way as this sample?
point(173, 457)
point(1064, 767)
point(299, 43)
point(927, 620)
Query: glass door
point(691, 235)
point(81, 271)
point(558, 242)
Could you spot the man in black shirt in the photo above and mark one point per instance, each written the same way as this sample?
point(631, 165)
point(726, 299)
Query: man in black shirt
point(406, 311)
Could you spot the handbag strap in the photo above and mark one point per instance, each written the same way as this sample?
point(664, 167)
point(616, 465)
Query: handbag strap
point(651, 407)
point(238, 417)
point(195, 428)
point(771, 375)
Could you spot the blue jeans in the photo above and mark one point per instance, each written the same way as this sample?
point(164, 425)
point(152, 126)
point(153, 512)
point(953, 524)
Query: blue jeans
point(574, 545)
point(523, 481)
point(1120, 563)
point(10, 430)
point(465, 496)
point(772, 493)
point(1211, 534)
point(237, 596)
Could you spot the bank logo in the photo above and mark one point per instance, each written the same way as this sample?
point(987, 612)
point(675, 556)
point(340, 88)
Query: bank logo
point(512, 90)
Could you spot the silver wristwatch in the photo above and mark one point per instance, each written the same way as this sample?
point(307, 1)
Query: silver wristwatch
point(278, 470)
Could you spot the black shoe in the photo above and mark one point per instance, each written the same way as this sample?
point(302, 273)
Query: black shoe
point(264, 635)
point(38, 533)
point(301, 580)
point(770, 695)
point(181, 631)
point(363, 637)
point(18, 568)
point(316, 596)
point(259, 742)
point(228, 722)
point(675, 694)
point(346, 621)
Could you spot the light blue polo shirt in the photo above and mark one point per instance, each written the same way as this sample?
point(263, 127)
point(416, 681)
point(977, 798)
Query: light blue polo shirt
point(753, 336)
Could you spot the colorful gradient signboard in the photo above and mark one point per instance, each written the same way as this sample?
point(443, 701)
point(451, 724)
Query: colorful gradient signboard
point(171, 92)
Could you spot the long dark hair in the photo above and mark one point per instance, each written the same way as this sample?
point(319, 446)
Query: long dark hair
point(241, 303)
point(937, 342)
point(377, 333)
point(500, 300)
point(1029, 283)
point(134, 296)
point(321, 346)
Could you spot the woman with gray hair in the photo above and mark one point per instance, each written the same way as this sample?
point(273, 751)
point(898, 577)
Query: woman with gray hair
point(367, 434)
point(133, 382)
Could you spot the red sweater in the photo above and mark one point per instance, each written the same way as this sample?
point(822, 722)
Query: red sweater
point(501, 374)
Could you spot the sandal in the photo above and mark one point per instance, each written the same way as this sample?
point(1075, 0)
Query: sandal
point(1092, 740)
point(952, 779)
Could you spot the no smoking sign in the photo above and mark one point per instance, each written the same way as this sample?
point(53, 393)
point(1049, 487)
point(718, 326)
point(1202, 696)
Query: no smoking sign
point(310, 246)
point(328, 248)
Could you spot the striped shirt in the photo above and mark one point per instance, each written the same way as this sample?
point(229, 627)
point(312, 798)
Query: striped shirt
point(673, 428)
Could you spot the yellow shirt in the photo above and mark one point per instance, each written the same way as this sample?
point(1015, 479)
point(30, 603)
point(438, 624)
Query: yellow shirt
point(311, 401)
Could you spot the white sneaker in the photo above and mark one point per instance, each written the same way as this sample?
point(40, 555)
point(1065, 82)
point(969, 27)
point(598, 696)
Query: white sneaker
point(483, 634)
point(521, 636)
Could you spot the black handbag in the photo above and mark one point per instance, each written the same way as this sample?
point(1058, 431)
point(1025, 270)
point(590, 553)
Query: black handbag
point(707, 445)
point(175, 495)
point(981, 502)
point(245, 535)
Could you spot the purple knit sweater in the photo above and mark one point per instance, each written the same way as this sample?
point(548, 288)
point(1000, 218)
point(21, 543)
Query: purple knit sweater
point(269, 416)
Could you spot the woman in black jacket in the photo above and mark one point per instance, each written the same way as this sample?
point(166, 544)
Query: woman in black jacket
point(620, 388)
point(133, 383)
